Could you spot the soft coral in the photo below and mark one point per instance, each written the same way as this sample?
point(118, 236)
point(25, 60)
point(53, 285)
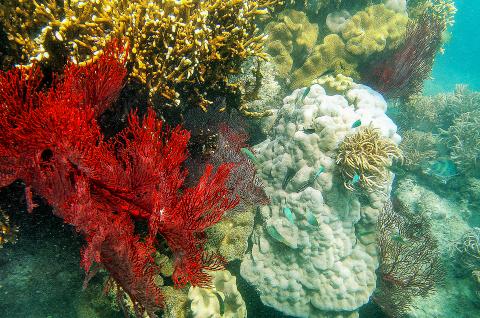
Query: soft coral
point(51, 140)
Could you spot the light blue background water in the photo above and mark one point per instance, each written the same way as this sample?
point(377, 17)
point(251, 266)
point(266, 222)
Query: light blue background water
point(461, 61)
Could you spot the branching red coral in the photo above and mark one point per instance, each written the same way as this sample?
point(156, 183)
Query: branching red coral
point(402, 74)
point(51, 140)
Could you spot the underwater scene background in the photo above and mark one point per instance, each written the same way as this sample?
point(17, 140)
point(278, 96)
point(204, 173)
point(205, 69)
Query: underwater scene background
point(255, 158)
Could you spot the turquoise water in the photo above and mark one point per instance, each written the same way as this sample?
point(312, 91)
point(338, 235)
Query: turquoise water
point(460, 63)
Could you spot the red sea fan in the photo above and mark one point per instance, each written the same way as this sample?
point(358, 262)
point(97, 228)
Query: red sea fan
point(51, 140)
point(101, 82)
point(402, 74)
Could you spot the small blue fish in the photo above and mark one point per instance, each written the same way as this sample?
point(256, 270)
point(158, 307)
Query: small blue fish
point(357, 123)
point(318, 173)
point(311, 180)
point(301, 97)
point(289, 214)
point(442, 169)
point(355, 179)
point(305, 93)
point(311, 219)
point(272, 231)
point(250, 155)
point(308, 131)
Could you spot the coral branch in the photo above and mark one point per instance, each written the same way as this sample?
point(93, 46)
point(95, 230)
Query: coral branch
point(409, 258)
point(401, 75)
point(51, 140)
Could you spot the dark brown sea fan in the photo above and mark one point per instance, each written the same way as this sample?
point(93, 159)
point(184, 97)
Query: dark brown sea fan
point(409, 259)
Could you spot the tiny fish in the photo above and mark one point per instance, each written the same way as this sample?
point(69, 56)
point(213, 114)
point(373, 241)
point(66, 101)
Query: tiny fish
point(311, 219)
point(289, 214)
point(301, 97)
point(442, 169)
point(250, 155)
point(357, 123)
point(288, 176)
point(305, 93)
point(309, 131)
point(272, 231)
point(355, 179)
point(221, 301)
point(311, 180)
point(328, 72)
point(318, 173)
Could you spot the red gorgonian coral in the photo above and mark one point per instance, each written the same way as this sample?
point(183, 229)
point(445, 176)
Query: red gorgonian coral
point(51, 140)
point(402, 74)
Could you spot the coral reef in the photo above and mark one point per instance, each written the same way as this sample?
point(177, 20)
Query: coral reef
point(337, 84)
point(173, 44)
point(229, 237)
point(402, 74)
point(468, 250)
point(367, 155)
point(436, 113)
point(448, 121)
point(313, 252)
point(290, 37)
point(176, 302)
point(409, 259)
point(222, 300)
point(260, 89)
point(463, 139)
point(448, 215)
point(313, 7)
point(399, 6)
point(243, 180)
point(52, 141)
point(418, 147)
point(373, 30)
point(330, 56)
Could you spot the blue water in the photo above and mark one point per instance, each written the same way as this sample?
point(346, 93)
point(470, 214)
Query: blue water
point(460, 63)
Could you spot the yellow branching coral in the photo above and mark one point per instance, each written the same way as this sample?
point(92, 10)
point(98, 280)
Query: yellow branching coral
point(173, 43)
point(315, 6)
point(373, 30)
point(365, 157)
point(444, 9)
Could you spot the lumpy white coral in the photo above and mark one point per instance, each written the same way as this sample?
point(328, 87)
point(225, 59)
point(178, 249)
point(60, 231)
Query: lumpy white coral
point(221, 300)
point(314, 254)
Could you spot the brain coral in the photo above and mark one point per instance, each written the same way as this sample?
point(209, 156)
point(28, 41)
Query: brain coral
point(326, 57)
point(290, 37)
point(314, 253)
point(374, 29)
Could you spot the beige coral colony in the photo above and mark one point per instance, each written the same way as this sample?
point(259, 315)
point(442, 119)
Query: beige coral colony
point(338, 174)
